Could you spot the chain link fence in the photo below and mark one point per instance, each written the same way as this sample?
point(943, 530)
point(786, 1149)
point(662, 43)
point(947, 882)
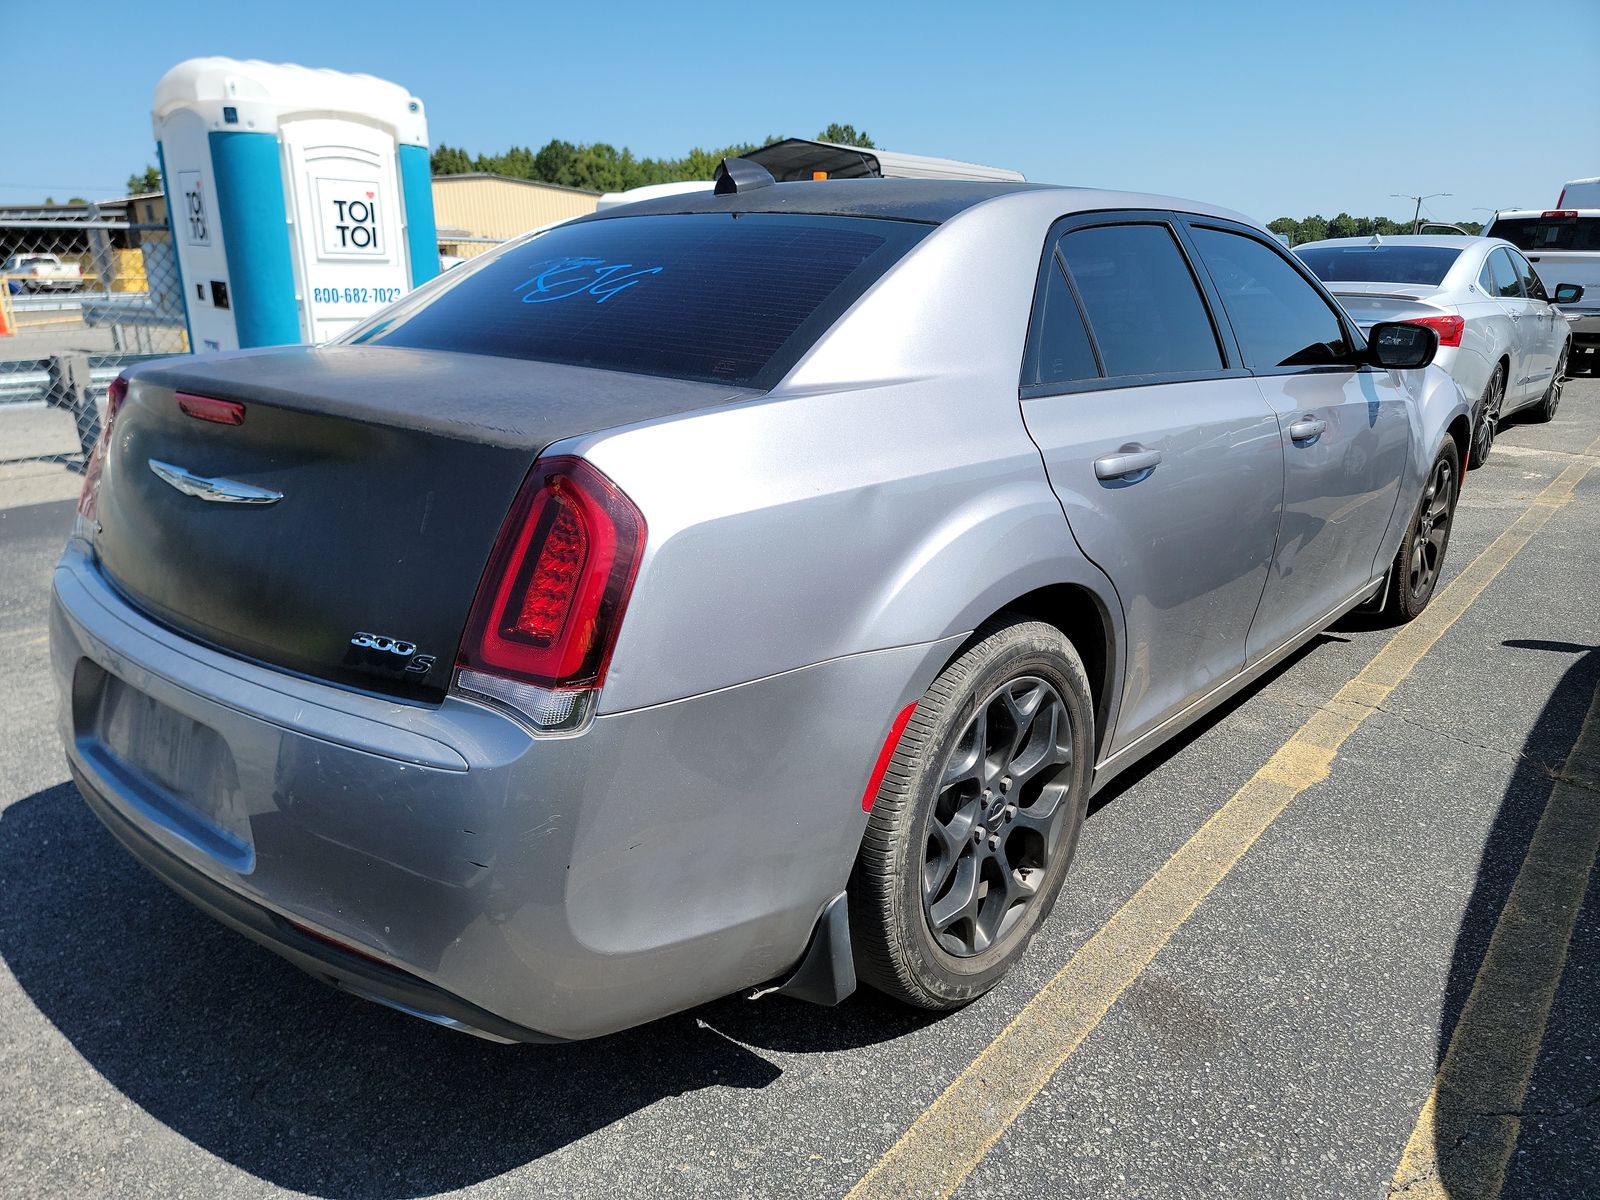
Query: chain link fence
point(82, 296)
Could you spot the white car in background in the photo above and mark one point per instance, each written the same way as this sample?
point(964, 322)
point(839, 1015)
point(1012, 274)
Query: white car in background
point(1500, 336)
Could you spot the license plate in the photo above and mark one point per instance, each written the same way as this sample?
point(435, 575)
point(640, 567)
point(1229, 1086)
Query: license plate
point(181, 760)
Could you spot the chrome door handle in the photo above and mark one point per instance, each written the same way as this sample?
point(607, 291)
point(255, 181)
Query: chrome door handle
point(1307, 428)
point(1130, 460)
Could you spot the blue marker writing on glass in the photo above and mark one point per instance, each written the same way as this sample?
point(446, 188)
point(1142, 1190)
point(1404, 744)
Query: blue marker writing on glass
point(563, 278)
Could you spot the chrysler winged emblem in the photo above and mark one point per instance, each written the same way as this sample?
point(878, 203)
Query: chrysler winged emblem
point(219, 491)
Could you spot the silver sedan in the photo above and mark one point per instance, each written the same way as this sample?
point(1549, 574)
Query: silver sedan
point(1500, 336)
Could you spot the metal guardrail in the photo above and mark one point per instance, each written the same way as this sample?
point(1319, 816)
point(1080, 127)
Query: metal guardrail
point(27, 381)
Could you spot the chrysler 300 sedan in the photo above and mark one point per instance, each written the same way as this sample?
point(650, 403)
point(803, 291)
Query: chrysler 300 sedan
point(736, 590)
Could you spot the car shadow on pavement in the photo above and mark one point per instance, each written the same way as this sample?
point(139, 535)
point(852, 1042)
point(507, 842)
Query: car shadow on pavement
point(318, 1091)
point(315, 1090)
point(1512, 1093)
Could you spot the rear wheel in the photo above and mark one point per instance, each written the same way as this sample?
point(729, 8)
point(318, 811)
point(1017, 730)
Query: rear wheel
point(1545, 410)
point(1415, 573)
point(974, 825)
point(1494, 395)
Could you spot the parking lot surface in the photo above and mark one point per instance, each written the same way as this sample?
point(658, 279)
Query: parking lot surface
point(1343, 938)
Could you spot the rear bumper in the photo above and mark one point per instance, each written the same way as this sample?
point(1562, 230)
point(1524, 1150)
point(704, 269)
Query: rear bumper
point(534, 889)
point(366, 977)
point(1585, 326)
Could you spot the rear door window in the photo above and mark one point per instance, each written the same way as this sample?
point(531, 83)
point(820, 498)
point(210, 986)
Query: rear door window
point(1280, 319)
point(1061, 350)
point(722, 297)
point(1142, 301)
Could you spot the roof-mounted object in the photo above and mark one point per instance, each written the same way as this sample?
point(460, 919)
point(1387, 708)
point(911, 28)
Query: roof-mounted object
point(795, 159)
point(740, 175)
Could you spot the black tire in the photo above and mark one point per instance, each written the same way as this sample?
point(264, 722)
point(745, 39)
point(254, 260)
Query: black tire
point(1015, 833)
point(1415, 573)
point(1545, 410)
point(1488, 419)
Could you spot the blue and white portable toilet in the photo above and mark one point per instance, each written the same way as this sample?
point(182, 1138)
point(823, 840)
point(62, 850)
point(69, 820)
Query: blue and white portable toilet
point(300, 200)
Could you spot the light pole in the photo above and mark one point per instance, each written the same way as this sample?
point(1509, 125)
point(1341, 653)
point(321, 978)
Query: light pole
point(1416, 217)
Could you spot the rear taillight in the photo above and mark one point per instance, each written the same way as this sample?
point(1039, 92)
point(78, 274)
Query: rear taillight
point(1448, 328)
point(88, 499)
point(551, 600)
point(1558, 213)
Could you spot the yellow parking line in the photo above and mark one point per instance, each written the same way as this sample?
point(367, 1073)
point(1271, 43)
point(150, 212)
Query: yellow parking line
point(1479, 1089)
point(953, 1134)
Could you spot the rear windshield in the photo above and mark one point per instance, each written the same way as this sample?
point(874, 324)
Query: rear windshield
point(1380, 264)
point(711, 296)
point(1548, 233)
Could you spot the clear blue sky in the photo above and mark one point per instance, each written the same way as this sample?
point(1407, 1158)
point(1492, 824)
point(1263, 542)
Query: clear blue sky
point(1272, 108)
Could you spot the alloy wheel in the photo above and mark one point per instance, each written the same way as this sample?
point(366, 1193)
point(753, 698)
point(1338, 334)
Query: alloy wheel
point(1432, 530)
point(1488, 418)
point(998, 816)
point(1553, 399)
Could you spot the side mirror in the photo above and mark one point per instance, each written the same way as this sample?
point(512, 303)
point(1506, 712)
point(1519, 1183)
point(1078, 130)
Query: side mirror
point(1567, 293)
point(1400, 346)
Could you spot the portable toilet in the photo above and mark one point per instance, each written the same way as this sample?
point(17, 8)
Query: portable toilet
point(300, 200)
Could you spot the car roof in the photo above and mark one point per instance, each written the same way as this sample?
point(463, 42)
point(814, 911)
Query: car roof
point(1454, 240)
point(931, 201)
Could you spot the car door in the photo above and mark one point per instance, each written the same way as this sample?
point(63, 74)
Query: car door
point(1345, 429)
point(1546, 328)
point(1166, 459)
point(1509, 295)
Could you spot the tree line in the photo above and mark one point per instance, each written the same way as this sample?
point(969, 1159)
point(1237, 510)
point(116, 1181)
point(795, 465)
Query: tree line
point(601, 167)
point(1314, 229)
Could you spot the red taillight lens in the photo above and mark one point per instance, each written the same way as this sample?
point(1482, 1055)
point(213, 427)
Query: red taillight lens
point(1558, 212)
point(552, 597)
point(1448, 328)
point(88, 498)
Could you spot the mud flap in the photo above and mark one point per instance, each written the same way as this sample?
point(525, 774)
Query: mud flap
point(827, 973)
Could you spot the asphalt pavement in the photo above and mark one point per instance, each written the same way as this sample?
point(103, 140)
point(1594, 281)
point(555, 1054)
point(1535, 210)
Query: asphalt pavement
point(1341, 939)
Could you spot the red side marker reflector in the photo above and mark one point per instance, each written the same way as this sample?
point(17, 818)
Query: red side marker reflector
point(884, 755)
point(205, 408)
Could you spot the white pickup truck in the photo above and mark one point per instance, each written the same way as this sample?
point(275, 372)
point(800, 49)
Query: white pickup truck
point(41, 273)
point(1563, 244)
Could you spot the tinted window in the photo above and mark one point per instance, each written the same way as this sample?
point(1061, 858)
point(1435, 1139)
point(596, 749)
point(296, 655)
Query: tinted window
point(1507, 283)
point(1548, 233)
point(1279, 318)
point(1426, 265)
point(1530, 282)
point(1141, 299)
point(733, 299)
point(1062, 352)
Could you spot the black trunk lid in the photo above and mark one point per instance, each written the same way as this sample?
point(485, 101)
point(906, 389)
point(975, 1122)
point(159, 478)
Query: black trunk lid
point(396, 469)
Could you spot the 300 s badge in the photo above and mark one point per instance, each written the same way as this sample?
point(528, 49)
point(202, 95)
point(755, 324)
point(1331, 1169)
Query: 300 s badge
point(393, 653)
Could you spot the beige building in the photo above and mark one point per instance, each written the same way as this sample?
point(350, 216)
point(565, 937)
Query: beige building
point(478, 211)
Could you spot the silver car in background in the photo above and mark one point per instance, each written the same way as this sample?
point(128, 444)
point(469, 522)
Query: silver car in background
point(1500, 335)
point(732, 589)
